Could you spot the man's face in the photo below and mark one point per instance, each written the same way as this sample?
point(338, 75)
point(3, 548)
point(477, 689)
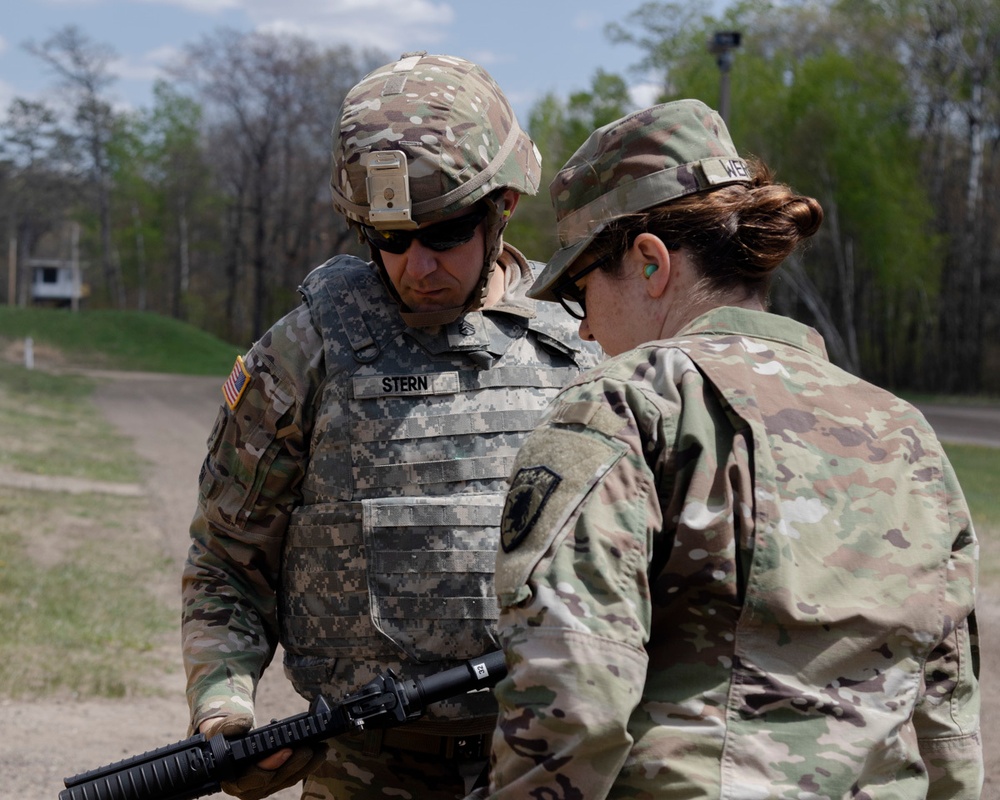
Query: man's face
point(431, 279)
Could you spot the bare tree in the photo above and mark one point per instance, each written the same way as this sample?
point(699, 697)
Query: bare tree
point(266, 99)
point(178, 168)
point(951, 48)
point(81, 67)
point(39, 184)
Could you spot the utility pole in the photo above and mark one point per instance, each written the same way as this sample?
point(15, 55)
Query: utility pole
point(75, 266)
point(721, 46)
point(12, 270)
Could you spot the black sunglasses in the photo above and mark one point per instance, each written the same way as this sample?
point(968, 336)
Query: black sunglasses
point(439, 236)
point(571, 295)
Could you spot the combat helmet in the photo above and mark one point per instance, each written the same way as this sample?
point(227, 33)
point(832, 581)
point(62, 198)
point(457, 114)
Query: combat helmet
point(421, 139)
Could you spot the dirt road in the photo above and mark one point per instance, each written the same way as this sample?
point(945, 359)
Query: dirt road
point(169, 418)
point(965, 424)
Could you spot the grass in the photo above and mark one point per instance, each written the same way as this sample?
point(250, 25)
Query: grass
point(126, 340)
point(76, 613)
point(48, 427)
point(978, 470)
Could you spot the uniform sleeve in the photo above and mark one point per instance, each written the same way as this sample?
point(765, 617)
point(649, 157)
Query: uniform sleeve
point(575, 606)
point(249, 484)
point(948, 714)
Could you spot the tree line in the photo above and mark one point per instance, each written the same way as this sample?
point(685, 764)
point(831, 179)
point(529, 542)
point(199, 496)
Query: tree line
point(213, 204)
point(209, 206)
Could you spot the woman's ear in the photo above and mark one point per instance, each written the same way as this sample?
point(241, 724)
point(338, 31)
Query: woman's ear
point(651, 253)
point(510, 198)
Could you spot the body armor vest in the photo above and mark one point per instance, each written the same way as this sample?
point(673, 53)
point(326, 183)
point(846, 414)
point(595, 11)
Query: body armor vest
point(389, 560)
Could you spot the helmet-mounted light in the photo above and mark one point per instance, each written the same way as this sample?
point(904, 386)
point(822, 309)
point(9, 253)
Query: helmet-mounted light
point(388, 184)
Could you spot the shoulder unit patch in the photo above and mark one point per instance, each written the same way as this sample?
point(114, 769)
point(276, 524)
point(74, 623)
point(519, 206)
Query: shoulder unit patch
point(529, 492)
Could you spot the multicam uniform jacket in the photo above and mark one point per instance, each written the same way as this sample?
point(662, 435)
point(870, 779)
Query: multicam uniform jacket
point(731, 570)
point(350, 500)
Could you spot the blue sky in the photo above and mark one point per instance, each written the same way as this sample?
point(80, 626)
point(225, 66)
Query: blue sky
point(531, 47)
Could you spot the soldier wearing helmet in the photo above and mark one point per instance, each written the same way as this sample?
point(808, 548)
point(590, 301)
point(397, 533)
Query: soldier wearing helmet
point(350, 501)
point(745, 572)
point(419, 144)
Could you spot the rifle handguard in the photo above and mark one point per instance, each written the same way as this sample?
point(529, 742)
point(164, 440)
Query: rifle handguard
point(197, 766)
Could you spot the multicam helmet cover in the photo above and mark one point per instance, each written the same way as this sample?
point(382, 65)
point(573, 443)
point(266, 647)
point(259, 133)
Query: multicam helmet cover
point(458, 132)
point(641, 161)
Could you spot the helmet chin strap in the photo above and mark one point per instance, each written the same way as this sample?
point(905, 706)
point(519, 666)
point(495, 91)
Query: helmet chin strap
point(496, 221)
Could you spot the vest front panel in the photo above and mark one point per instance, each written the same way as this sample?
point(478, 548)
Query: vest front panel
point(390, 558)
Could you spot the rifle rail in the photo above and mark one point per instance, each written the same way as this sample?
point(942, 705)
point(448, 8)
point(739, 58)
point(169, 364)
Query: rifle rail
point(197, 766)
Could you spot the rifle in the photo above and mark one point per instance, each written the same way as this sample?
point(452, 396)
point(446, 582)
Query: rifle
point(197, 766)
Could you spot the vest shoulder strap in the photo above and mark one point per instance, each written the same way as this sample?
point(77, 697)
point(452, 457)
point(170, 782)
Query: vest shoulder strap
point(354, 311)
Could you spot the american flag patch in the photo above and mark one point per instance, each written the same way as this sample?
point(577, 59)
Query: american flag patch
point(238, 380)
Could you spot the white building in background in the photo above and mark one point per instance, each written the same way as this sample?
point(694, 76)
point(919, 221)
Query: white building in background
point(55, 282)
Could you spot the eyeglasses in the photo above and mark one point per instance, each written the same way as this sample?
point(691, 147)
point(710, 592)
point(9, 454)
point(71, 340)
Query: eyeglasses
point(439, 236)
point(571, 295)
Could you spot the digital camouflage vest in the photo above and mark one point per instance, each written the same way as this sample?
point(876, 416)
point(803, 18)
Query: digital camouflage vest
point(390, 558)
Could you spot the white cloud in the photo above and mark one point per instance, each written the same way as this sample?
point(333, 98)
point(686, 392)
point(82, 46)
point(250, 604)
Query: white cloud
point(210, 7)
point(392, 26)
point(644, 94)
point(139, 73)
point(7, 94)
point(147, 67)
point(161, 56)
point(587, 20)
point(523, 99)
point(486, 58)
point(389, 25)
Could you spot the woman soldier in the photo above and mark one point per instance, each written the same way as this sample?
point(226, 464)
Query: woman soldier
point(728, 568)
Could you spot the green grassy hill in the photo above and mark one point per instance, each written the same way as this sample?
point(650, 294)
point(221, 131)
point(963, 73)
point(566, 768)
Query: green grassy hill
point(125, 340)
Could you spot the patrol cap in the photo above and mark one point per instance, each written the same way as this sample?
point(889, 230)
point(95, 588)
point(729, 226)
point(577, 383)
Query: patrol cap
point(641, 161)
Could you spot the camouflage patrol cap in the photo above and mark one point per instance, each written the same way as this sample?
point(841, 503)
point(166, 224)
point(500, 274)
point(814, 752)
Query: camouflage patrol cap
point(641, 161)
point(458, 132)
